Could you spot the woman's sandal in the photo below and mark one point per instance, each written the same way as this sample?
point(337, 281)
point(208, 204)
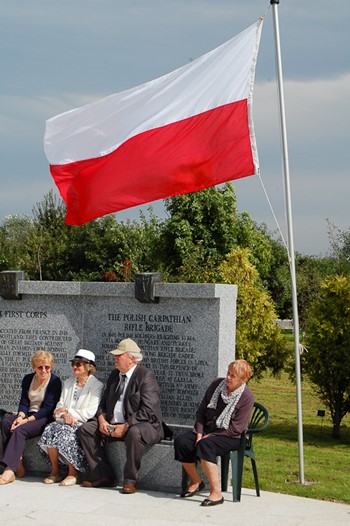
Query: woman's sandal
point(4, 481)
point(69, 481)
point(51, 479)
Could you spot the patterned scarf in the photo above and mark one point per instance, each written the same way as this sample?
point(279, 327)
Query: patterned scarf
point(230, 399)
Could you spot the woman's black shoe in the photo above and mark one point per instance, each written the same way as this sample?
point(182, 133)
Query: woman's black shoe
point(186, 494)
point(207, 502)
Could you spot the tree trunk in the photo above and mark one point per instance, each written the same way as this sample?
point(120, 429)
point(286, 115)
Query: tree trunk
point(336, 430)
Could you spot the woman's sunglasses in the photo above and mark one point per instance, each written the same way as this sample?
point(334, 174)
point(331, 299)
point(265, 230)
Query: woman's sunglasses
point(77, 364)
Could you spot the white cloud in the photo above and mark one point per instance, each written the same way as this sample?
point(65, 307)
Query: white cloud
point(60, 55)
point(317, 120)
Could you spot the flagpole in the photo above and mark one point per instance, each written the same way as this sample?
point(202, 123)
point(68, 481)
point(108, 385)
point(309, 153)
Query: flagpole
point(274, 4)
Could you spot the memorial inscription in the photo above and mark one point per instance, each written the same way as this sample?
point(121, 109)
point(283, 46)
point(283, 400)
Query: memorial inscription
point(187, 338)
point(176, 341)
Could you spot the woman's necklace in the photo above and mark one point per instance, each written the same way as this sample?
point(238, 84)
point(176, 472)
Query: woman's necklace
point(81, 382)
point(78, 388)
point(38, 384)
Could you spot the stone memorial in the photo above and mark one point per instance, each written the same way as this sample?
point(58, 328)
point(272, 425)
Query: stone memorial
point(186, 332)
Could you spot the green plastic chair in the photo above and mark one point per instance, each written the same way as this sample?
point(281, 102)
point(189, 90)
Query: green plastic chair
point(259, 421)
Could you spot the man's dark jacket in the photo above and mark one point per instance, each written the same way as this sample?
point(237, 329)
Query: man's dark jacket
point(141, 402)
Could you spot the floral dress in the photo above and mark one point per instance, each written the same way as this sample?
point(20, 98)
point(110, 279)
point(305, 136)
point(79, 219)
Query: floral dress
point(82, 403)
point(64, 438)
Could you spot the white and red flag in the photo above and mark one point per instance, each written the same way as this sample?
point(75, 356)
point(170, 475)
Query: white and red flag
point(185, 131)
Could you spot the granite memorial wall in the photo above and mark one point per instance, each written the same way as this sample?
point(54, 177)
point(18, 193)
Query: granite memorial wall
point(186, 333)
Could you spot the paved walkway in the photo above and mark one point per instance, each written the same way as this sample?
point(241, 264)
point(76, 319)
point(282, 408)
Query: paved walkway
point(29, 502)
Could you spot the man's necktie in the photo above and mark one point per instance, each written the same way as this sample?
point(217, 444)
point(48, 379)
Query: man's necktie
point(120, 386)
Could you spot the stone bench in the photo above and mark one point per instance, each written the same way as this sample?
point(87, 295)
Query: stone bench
point(33, 461)
point(159, 471)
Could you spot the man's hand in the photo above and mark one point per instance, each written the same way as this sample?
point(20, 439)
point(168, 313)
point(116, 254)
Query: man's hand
point(103, 425)
point(120, 430)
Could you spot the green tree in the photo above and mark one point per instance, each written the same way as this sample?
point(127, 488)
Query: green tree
point(16, 233)
point(51, 237)
point(46, 248)
point(88, 252)
point(340, 248)
point(202, 229)
point(310, 272)
point(327, 360)
point(278, 282)
point(258, 339)
point(254, 237)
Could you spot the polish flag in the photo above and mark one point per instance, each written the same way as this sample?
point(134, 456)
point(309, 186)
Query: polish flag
point(185, 131)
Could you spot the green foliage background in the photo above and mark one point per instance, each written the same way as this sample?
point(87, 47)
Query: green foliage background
point(326, 459)
point(204, 239)
point(327, 360)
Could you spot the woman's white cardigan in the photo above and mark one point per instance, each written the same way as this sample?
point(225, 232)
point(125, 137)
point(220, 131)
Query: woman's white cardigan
point(87, 403)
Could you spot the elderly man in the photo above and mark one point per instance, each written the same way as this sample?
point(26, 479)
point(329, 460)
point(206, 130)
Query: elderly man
point(130, 411)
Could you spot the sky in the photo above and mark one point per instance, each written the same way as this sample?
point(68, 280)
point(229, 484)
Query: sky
point(59, 55)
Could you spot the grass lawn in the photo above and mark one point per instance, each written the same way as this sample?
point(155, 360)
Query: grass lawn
point(326, 460)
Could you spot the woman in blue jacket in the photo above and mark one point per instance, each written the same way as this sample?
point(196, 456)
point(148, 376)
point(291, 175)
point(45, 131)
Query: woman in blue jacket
point(40, 393)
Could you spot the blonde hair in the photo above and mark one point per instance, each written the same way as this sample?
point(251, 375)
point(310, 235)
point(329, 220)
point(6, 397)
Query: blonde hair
point(242, 369)
point(41, 355)
point(89, 368)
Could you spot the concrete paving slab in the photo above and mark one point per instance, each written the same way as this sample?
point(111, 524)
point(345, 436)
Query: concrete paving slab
point(30, 502)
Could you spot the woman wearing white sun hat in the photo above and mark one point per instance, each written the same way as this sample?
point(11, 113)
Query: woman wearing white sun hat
point(79, 401)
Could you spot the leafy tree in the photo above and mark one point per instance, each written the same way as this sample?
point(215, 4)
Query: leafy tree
point(258, 339)
point(327, 360)
point(48, 249)
point(16, 232)
point(310, 272)
point(202, 229)
point(278, 282)
point(250, 235)
point(50, 240)
point(340, 248)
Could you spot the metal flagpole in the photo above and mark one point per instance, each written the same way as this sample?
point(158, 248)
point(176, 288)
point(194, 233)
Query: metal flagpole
point(274, 4)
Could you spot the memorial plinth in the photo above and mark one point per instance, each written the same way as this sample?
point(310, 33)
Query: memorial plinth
point(186, 333)
point(187, 337)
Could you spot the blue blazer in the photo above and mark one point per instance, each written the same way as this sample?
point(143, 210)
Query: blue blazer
point(52, 395)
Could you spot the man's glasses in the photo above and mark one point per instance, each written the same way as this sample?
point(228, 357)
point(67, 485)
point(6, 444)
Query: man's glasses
point(77, 364)
point(42, 367)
